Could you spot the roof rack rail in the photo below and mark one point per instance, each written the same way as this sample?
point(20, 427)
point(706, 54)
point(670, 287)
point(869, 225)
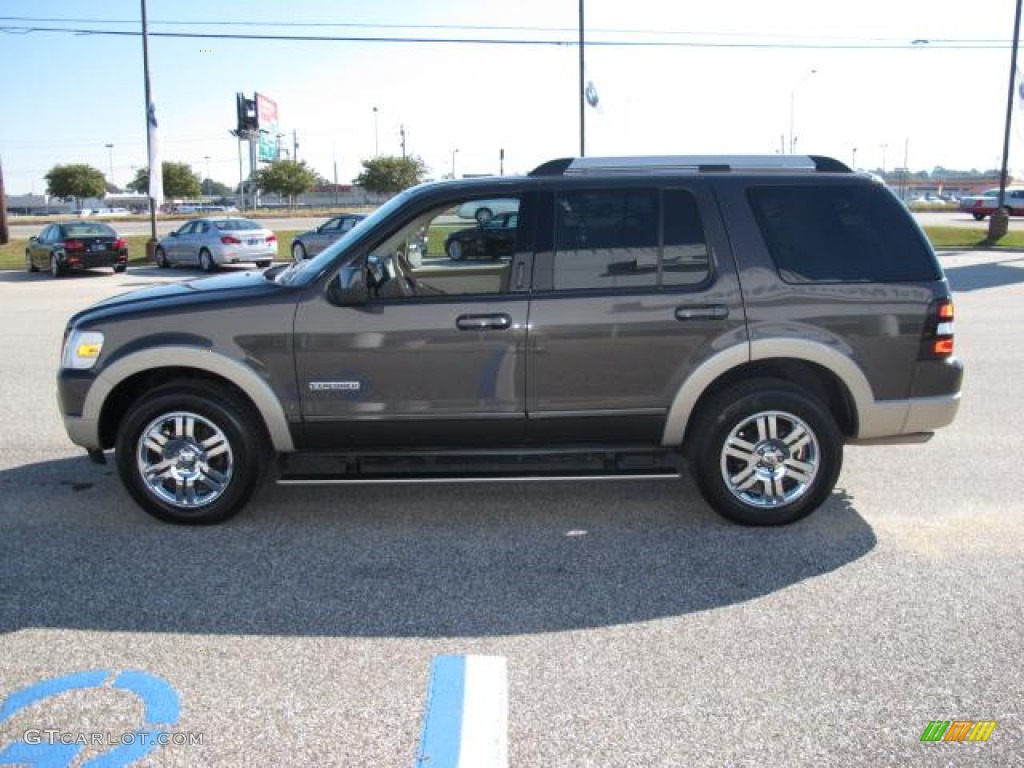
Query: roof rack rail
point(653, 164)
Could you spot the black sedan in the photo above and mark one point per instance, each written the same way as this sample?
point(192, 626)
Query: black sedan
point(493, 239)
point(74, 245)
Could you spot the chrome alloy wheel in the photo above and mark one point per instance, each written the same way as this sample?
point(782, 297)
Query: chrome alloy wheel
point(185, 459)
point(770, 459)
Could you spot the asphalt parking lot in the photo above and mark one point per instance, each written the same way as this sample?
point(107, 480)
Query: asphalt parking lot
point(637, 628)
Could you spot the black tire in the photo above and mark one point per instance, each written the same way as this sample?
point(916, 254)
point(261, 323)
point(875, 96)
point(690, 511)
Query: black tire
point(30, 265)
point(978, 216)
point(219, 415)
point(1008, 211)
point(206, 262)
point(56, 270)
point(120, 268)
point(455, 251)
point(160, 256)
point(263, 264)
point(483, 215)
point(795, 416)
point(298, 251)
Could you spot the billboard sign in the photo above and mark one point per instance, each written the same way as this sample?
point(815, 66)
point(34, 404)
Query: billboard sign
point(266, 116)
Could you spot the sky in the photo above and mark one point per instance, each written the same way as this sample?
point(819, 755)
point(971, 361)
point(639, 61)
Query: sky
point(916, 82)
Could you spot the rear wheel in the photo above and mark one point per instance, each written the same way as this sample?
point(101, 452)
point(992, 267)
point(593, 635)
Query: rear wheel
point(483, 215)
point(263, 264)
point(978, 216)
point(119, 268)
point(191, 453)
point(161, 258)
point(765, 452)
point(206, 261)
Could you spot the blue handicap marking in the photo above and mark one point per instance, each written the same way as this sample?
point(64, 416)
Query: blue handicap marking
point(161, 709)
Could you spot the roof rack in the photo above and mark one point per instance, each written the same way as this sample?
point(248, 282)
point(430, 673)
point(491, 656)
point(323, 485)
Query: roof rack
point(654, 164)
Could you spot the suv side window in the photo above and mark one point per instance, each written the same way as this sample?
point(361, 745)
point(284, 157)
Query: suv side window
point(615, 239)
point(841, 233)
point(435, 255)
point(606, 239)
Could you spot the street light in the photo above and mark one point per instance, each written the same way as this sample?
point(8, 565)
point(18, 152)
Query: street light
point(454, 152)
point(110, 153)
point(792, 109)
point(376, 135)
point(883, 147)
point(854, 163)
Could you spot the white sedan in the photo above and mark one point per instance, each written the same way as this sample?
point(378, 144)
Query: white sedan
point(485, 210)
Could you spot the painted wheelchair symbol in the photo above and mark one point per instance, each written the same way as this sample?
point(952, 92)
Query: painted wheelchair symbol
point(160, 706)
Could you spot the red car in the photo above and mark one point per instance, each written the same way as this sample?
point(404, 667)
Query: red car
point(980, 206)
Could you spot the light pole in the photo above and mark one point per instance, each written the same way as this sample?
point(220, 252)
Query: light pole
point(999, 221)
point(454, 152)
point(792, 109)
point(854, 163)
point(376, 135)
point(110, 159)
point(883, 147)
point(207, 188)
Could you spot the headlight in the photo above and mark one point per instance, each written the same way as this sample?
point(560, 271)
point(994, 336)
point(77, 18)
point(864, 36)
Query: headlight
point(81, 348)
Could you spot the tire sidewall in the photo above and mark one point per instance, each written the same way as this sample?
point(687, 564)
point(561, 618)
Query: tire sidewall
point(725, 414)
point(223, 411)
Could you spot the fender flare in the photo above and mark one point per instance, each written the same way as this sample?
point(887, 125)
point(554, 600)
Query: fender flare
point(177, 356)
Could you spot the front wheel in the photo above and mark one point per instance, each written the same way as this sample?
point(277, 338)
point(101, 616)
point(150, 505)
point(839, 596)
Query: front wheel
point(30, 265)
point(455, 252)
point(765, 452)
point(298, 252)
point(119, 268)
point(978, 216)
point(191, 453)
point(161, 258)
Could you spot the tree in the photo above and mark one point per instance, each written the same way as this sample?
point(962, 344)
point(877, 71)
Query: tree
point(213, 188)
point(179, 181)
point(286, 178)
point(389, 174)
point(73, 182)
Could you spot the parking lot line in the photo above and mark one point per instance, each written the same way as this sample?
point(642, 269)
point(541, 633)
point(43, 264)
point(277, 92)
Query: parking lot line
point(466, 720)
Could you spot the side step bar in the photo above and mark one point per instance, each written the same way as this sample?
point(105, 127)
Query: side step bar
point(476, 468)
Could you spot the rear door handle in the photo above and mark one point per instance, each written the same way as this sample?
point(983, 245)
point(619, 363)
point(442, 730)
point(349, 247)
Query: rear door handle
point(702, 312)
point(497, 322)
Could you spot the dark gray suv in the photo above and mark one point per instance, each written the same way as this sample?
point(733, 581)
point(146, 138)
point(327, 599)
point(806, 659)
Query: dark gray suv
point(748, 314)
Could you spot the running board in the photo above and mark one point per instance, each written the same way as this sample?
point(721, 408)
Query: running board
point(475, 468)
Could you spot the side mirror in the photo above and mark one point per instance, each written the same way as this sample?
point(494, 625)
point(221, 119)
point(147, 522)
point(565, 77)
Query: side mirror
point(348, 288)
point(174, 234)
point(33, 239)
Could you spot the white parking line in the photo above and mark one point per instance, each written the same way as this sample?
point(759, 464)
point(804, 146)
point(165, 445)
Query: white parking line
point(466, 721)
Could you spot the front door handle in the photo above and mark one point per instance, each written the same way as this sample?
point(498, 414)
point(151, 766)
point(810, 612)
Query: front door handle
point(702, 312)
point(497, 322)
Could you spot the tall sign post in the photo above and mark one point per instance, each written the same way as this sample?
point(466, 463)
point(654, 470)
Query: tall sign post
point(999, 221)
point(155, 174)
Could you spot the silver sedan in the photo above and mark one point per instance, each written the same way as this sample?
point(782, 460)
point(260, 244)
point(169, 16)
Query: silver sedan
point(311, 243)
point(215, 240)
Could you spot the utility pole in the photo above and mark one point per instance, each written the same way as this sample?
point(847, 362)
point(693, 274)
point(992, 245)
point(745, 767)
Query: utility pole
point(501, 161)
point(5, 233)
point(295, 145)
point(582, 94)
point(401, 130)
point(999, 221)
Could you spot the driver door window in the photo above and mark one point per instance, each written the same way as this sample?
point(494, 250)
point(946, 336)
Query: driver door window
point(438, 254)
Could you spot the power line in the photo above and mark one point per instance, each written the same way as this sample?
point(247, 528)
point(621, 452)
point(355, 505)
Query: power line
point(567, 42)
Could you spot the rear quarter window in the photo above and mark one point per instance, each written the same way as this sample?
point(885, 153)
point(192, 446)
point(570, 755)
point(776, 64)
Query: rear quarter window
point(841, 233)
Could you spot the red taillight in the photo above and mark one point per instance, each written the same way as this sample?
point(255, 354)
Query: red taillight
point(119, 244)
point(74, 245)
point(937, 339)
point(272, 239)
point(229, 240)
